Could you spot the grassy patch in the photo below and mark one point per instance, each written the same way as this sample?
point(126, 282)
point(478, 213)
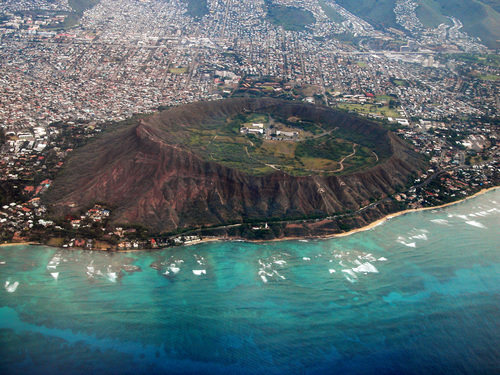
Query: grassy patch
point(331, 13)
point(290, 18)
point(178, 70)
point(222, 142)
point(369, 109)
point(196, 8)
point(489, 77)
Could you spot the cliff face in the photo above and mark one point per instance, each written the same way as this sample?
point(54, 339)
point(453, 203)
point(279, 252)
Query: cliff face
point(148, 180)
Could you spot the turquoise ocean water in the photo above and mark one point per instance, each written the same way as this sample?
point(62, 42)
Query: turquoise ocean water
point(419, 294)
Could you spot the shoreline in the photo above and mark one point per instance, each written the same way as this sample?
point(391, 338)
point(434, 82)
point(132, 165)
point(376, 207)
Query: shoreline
point(325, 237)
point(356, 230)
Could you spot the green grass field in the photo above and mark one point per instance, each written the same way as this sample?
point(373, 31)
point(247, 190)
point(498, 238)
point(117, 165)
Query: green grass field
point(369, 109)
point(318, 151)
point(290, 18)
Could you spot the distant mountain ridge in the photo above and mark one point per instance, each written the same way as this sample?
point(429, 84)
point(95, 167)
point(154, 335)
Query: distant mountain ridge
point(480, 18)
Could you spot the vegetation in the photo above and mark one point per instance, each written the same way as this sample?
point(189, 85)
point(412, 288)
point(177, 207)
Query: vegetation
point(479, 17)
point(318, 148)
point(331, 13)
point(290, 18)
point(380, 13)
point(384, 110)
point(80, 6)
point(197, 8)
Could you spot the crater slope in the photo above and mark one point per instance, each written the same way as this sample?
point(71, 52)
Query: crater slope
point(149, 174)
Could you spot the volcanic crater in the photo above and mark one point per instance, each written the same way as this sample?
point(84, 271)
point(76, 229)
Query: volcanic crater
point(234, 161)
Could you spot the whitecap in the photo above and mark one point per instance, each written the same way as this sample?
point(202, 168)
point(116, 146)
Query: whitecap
point(175, 269)
point(55, 275)
point(303, 241)
point(464, 217)
point(366, 268)
point(350, 275)
point(264, 279)
point(475, 224)
point(2, 262)
point(409, 244)
point(306, 258)
point(199, 272)
point(441, 221)
point(280, 262)
point(382, 259)
point(11, 288)
point(280, 276)
point(331, 270)
point(369, 257)
point(422, 236)
point(112, 276)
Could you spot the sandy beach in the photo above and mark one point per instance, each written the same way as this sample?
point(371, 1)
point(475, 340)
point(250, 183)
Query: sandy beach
point(343, 234)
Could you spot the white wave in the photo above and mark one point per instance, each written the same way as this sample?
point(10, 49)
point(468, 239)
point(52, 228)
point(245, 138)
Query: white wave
point(382, 259)
point(450, 215)
point(167, 272)
point(200, 272)
point(422, 236)
point(303, 241)
point(350, 275)
point(440, 221)
point(409, 244)
point(280, 262)
point(280, 276)
point(464, 217)
point(369, 257)
point(264, 278)
point(55, 275)
point(112, 276)
point(174, 269)
point(474, 215)
point(475, 224)
point(331, 270)
point(306, 258)
point(366, 268)
point(11, 288)
point(481, 213)
point(2, 262)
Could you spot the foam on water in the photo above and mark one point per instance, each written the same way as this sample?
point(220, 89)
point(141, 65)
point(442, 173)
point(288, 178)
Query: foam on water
point(55, 275)
point(331, 270)
point(200, 272)
point(306, 258)
point(11, 287)
point(350, 275)
point(440, 221)
point(365, 268)
point(475, 224)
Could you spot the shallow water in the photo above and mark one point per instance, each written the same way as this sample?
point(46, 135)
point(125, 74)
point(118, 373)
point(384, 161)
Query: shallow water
point(418, 294)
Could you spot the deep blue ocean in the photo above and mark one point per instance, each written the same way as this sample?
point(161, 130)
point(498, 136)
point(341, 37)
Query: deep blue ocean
point(419, 294)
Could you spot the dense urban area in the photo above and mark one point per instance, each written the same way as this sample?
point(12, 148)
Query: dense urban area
point(69, 72)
